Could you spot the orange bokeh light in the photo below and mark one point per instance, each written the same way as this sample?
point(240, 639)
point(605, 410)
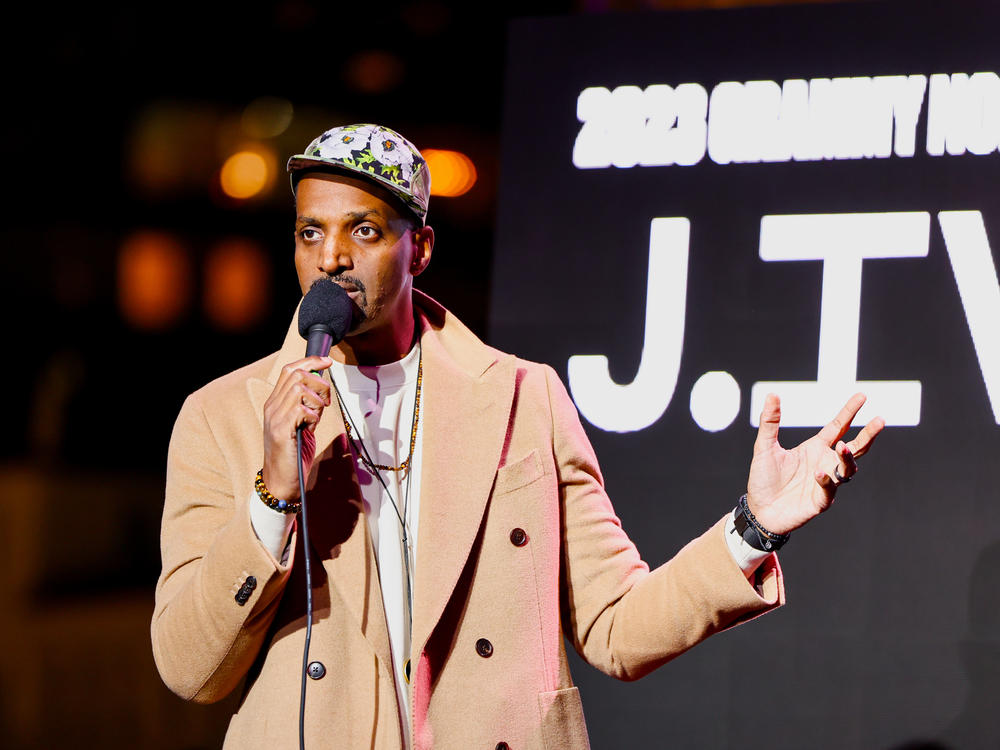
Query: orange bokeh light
point(244, 174)
point(237, 284)
point(452, 172)
point(154, 279)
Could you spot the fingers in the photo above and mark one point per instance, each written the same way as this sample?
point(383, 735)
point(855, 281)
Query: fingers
point(847, 467)
point(863, 440)
point(298, 399)
point(828, 484)
point(841, 473)
point(312, 396)
point(836, 428)
point(301, 394)
point(312, 365)
point(850, 466)
point(770, 419)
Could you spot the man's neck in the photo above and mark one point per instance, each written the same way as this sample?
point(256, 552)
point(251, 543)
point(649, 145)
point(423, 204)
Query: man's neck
point(374, 348)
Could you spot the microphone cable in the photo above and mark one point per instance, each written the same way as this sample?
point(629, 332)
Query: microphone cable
point(309, 592)
point(324, 316)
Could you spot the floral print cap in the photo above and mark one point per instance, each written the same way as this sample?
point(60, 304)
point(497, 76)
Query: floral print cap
point(377, 153)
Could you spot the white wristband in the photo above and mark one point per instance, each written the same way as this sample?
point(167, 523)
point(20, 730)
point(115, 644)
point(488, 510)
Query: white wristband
point(748, 558)
point(271, 527)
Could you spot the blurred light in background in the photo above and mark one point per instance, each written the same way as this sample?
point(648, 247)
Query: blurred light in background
point(267, 117)
point(452, 172)
point(154, 279)
point(374, 71)
point(248, 172)
point(171, 148)
point(237, 284)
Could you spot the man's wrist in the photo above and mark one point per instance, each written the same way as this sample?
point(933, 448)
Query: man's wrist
point(746, 557)
point(272, 528)
point(752, 532)
point(282, 506)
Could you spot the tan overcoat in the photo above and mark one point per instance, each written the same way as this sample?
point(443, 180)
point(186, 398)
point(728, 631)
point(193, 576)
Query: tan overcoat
point(503, 449)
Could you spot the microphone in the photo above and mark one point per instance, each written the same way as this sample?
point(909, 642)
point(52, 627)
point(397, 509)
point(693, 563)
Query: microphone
point(324, 317)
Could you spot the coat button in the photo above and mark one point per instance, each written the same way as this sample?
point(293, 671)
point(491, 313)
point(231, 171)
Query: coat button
point(484, 648)
point(316, 670)
point(518, 538)
point(243, 595)
point(502, 746)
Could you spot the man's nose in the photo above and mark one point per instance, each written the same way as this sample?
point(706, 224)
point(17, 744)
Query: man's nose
point(335, 258)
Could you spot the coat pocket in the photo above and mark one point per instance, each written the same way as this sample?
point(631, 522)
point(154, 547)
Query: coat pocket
point(518, 473)
point(563, 726)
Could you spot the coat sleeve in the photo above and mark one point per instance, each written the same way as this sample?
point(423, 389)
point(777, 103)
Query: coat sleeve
point(204, 638)
point(621, 617)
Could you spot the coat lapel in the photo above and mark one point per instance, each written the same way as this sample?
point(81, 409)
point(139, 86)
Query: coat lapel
point(337, 527)
point(468, 391)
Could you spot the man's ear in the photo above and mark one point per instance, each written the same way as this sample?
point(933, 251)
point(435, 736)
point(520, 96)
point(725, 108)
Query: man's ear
point(423, 246)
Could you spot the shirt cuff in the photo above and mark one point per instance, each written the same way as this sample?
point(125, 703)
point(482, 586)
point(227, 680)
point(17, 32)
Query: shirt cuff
point(748, 558)
point(271, 527)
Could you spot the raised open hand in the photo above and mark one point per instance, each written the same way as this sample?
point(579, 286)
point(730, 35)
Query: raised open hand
point(787, 488)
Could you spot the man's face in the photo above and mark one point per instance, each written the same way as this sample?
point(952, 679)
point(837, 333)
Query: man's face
point(350, 231)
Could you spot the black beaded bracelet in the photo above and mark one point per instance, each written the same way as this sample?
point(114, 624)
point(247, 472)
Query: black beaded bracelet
point(282, 506)
point(748, 527)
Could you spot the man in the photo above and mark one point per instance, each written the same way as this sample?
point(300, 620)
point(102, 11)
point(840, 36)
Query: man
point(458, 522)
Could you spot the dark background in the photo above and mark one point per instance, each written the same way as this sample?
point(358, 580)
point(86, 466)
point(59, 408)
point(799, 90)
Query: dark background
point(116, 124)
point(890, 637)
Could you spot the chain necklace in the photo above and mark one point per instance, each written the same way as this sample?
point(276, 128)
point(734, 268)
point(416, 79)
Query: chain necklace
point(373, 467)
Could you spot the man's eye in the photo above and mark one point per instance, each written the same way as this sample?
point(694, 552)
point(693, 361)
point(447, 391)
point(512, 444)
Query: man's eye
point(309, 234)
point(367, 232)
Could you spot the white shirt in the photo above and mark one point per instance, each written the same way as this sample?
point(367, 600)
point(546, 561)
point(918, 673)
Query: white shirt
point(380, 405)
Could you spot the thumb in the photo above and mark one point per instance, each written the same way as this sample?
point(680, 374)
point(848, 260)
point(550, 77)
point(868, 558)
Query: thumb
point(770, 418)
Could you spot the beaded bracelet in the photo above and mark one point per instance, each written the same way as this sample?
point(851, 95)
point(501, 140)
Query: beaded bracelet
point(282, 506)
point(767, 541)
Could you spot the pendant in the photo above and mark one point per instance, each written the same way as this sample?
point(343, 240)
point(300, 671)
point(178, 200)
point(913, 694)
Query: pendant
point(406, 671)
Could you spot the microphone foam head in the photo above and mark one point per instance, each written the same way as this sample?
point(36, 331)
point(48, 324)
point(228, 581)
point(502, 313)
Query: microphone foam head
point(328, 305)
